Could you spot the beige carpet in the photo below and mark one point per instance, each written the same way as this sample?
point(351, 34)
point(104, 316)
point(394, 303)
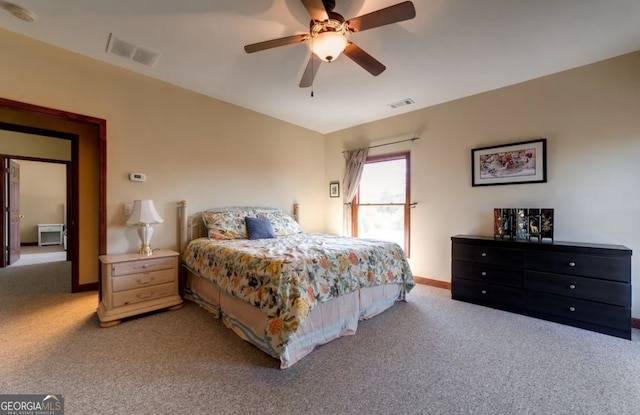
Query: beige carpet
point(431, 355)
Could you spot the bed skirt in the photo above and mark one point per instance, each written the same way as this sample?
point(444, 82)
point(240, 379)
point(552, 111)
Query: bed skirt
point(327, 321)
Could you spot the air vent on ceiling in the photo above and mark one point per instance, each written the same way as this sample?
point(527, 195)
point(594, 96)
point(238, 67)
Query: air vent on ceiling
point(406, 101)
point(133, 52)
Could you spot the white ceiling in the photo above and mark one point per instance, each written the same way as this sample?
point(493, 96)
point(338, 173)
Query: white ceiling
point(452, 49)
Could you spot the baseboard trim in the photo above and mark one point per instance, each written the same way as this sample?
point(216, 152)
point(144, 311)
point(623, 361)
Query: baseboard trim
point(433, 283)
point(92, 286)
point(635, 323)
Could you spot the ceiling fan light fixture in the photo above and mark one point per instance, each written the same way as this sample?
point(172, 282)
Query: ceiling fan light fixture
point(328, 45)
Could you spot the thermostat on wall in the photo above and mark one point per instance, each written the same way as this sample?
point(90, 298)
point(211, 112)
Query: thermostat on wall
point(137, 177)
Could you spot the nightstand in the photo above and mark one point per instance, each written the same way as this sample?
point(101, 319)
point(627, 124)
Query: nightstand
point(134, 284)
point(50, 234)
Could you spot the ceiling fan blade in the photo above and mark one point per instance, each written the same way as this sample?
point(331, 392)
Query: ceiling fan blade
point(316, 10)
point(362, 58)
point(392, 14)
point(310, 71)
point(268, 44)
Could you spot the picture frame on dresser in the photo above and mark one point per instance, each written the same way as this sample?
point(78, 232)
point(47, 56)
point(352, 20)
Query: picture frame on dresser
point(514, 163)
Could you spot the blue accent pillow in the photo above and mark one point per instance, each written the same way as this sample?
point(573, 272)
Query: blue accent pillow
point(259, 228)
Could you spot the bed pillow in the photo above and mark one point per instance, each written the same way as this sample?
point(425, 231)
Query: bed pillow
point(282, 222)
point(258, 228)
point(229, 222)
point(225, 224)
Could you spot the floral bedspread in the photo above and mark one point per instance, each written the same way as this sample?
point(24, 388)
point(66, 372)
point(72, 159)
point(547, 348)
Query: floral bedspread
point(288, 275)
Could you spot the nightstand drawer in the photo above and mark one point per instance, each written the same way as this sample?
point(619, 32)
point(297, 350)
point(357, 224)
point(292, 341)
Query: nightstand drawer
point(143, 294)
point(50, 228)
point(488, 273)
point(609, 292)
point(136, 267)
point(147, 279)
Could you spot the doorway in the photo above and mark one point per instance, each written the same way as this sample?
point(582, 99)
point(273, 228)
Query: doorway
point(21, 141)
point(86, 220)
point(40, 233)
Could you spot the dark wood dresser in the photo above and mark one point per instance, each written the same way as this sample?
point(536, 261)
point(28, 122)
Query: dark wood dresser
point(578, 284)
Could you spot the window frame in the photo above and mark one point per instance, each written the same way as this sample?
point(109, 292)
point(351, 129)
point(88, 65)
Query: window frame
point(355, 204)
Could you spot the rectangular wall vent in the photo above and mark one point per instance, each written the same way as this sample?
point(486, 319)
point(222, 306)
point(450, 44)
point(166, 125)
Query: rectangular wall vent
point(132, 52)
point(404, 102)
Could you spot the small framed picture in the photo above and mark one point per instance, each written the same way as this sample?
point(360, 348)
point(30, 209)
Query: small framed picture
point(334, 189)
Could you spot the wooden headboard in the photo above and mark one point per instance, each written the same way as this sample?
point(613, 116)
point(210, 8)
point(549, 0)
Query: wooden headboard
point(192, 227)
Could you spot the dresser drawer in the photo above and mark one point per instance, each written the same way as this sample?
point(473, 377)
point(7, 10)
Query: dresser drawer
point(147, 265)
point(609, 292)
point(603, 267)
point(580, 310)
point(488, 273)
point(143, 294)
point(497, 296)
point(488, 255)
point(147, 279)
point(50, 228)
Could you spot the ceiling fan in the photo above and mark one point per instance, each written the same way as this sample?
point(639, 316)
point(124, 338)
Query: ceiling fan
point(329, 33)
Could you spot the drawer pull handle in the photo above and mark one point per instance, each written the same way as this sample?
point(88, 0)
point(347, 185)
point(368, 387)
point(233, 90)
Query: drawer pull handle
point(483, 273)
point(149, 294)
point(484, 291)
point(572, 286)
point(484, 254)
point(572, 309)
point(141, 281)
point(572, 264)
point(145, 266)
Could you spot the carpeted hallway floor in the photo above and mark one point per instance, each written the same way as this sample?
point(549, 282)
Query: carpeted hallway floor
point(30, 255)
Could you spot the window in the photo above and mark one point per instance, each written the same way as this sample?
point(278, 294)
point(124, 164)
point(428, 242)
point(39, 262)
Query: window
point(381, 207)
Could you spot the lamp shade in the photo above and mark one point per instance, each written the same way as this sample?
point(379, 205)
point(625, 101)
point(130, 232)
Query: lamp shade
point(144, 213)
point(328, 45)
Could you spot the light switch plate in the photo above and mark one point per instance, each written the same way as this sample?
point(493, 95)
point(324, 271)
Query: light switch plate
point(128, 209)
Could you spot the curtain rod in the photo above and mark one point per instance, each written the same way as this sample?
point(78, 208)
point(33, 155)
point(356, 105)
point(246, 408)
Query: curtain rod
point(395, 142)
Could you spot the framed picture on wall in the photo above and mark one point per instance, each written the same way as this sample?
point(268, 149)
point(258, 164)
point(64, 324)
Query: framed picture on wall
point(515, 163)
point(334, 189)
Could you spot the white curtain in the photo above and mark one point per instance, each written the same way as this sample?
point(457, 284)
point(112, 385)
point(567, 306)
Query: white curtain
point(355, 160)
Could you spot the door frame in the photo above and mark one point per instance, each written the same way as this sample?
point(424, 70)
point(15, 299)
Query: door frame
point(74, 235)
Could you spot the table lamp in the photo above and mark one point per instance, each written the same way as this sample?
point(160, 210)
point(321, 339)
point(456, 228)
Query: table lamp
point(144, 215)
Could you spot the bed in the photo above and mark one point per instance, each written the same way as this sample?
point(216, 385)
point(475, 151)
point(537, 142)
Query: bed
point(283, 290)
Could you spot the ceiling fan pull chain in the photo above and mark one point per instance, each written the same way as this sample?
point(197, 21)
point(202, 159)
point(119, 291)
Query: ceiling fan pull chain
point(312, 67)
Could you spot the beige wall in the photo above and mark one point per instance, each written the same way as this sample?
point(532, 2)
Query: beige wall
point(591, 119)
point(214, 154)
point(190, 146)
point(43, 192)
point(29, 145)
